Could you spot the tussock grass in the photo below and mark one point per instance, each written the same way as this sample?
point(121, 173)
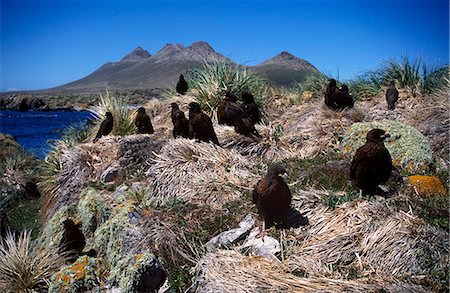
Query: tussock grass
point(210, 83)
point(316, 83)
point(270, 148)
point(76, 133)
point(364, 239)
point(119, 108)
point(364, 88)
point(415, 75)
point(69, 170)
point(405, 71)
point(199, 172)
point(230, 271)
point(25, 267)
point(312, 128)
point(435, 79)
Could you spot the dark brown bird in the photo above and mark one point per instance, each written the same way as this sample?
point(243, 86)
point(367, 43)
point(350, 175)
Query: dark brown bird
point(182, 85)
point(200, 125)
point(337, 99)
point(273, 201)
point(346, 100)
point(235, 116)
point(180, 123)
point(391, 95)
point(72, 242)
point(106, 126)
point(250, 107)
point(221, 114)
point(143, 122)
point(372, 163)
point(330, 90)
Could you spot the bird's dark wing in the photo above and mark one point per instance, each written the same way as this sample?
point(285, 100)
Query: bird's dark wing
point(358, 159)
point(234, 112)
point(221, 115)
point(102, 129)
point(253, 112)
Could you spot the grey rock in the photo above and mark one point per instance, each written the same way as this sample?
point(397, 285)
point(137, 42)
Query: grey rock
point(112, 174)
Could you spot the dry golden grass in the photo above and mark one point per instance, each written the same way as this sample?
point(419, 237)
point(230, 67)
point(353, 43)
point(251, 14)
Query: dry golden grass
point(367, 239)
point(199, 172)
point(271, 148)
point(230, 271)
point(312, 128)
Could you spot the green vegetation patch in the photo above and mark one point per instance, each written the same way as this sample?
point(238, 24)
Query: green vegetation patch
point(409, 149)
point(324, 172)
point(25, 215)
point(210, 83)
point(119, 108)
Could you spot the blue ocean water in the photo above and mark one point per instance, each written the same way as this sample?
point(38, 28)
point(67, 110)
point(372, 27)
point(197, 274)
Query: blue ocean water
point(36, 130)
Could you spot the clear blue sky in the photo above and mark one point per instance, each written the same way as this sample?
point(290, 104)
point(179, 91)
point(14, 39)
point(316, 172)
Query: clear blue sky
point(49, 43)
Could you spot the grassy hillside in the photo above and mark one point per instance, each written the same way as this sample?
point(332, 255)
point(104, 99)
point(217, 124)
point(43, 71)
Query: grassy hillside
point(151, 201)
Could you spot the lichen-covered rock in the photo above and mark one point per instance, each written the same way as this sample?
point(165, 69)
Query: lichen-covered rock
point(409, 149)
point(93, 210)
point(82, 275)
point(426, 185)
point(53, 230)
point(138, 273)
point(133, 268)
point(109, 236)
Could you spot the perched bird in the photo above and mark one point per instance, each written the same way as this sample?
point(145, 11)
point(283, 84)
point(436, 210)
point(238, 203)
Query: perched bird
point(234, 115)
point(180, 123)
point(346, 99)
point(72, 242)
point(273, 201)
point(329, 92)
point(200, 125)
point(250, 107)
point(391, 95)
point(221, 115)
point(106, 126)
point(142, 122)
point(182, 85)
point(337, 99)
point(372, 163)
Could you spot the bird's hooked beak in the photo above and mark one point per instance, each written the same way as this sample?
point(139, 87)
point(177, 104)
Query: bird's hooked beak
point(386, 135)
point(284, 175)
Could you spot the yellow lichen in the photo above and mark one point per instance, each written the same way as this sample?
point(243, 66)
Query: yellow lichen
point(79, 267)
point(426, 185)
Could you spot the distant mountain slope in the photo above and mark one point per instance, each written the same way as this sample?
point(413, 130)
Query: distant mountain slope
point(140, 70)
point(285, 69)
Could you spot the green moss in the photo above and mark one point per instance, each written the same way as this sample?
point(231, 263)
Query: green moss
point(431, 208)
point(82, 275)
point(93, 210)
point(25, 215)
point(409, 149)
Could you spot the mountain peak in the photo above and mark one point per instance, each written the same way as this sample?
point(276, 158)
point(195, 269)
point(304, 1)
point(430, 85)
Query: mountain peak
point(169, 50)
point(288, 60)
point(201, 45)
point(197, 51)
point(136, 55)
